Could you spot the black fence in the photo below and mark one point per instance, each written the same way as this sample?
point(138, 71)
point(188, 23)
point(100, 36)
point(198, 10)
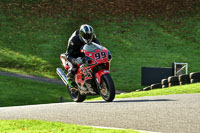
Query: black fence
point(152, 75)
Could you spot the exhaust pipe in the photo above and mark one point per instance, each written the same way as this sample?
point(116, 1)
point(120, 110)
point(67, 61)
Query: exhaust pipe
point(62, 75)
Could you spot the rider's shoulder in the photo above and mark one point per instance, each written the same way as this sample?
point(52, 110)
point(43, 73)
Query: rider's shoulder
point(75, 33)
point(74, 37)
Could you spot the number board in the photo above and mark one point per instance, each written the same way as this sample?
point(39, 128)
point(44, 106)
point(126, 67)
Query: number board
point(100, 55)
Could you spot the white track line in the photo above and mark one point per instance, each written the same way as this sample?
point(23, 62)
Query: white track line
point(142, 131)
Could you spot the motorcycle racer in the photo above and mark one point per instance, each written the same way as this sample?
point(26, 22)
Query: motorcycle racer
point(73, 56)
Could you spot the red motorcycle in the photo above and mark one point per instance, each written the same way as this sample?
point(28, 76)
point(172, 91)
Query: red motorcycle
point(93, 76)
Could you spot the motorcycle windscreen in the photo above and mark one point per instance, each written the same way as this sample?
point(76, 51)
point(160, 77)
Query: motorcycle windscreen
point(92, 47)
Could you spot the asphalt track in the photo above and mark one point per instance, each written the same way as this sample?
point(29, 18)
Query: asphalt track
point(170, 114)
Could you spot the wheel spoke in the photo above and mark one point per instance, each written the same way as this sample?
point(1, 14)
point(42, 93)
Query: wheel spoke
point(104, 89)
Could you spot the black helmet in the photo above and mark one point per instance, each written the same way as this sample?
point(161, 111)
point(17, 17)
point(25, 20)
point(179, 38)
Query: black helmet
point(86, 33)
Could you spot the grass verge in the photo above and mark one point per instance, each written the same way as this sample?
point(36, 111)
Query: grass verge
point(17, 91)
point(37, 126)
point(190, 88)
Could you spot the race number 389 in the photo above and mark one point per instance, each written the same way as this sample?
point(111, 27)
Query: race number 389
point(100, 55)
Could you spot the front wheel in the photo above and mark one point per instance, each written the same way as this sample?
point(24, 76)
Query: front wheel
point(107, 90)
point(76, 96)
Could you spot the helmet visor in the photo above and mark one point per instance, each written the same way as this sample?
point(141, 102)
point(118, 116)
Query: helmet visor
point(88, 36)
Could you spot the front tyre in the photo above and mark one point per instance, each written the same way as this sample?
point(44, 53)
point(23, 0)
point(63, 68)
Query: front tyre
point(76, 96)
point(107, 88)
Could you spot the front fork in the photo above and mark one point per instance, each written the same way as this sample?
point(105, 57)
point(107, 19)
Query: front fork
point(98, 76)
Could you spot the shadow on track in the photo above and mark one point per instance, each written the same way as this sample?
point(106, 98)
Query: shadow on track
point(130, 101)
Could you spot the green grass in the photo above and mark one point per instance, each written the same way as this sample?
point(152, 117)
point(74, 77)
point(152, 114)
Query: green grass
point(184, 89)
point(36, 126)
point(16, 91)
point(31, 44)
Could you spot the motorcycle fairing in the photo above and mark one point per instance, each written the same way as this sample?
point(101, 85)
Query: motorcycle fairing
point(99, 74)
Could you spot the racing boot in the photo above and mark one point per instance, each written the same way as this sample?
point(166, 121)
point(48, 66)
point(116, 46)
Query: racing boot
point(70, 81)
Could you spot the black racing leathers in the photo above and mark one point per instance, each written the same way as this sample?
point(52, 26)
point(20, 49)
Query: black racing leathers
point(74, 45)
point(73, 51)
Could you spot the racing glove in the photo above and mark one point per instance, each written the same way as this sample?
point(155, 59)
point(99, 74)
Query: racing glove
point(78, 60)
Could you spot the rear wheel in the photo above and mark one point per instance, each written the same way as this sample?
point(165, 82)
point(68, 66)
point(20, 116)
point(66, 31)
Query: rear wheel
point(107, 88)
point(75, 95)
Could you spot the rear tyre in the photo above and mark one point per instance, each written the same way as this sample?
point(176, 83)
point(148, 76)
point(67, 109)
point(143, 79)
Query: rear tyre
point(75, 95)
point(107, 88)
